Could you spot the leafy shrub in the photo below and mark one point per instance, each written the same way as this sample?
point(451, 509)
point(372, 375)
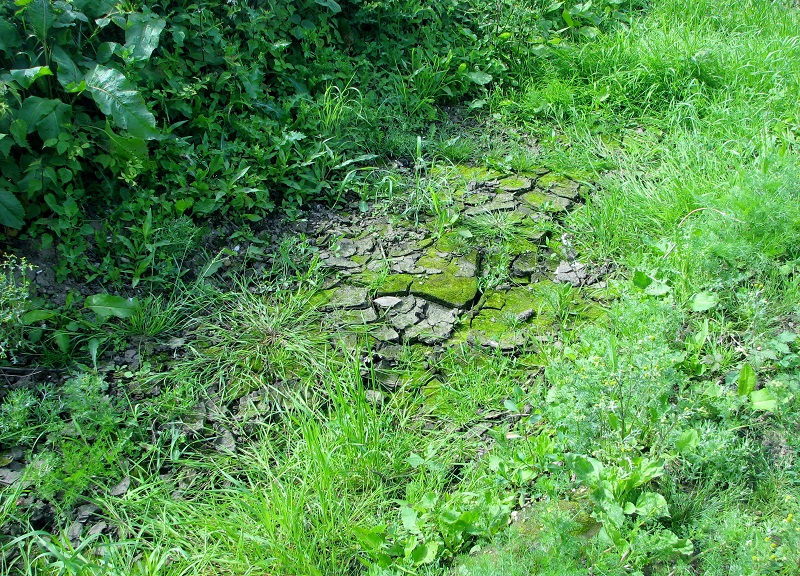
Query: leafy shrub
point(112, 112)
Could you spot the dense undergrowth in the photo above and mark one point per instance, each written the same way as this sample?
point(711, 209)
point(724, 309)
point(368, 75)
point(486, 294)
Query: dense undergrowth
point(660, 438)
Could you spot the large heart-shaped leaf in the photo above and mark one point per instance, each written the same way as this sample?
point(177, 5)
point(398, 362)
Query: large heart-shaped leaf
point(12, 214)
point(106, 305)
point(117, 97)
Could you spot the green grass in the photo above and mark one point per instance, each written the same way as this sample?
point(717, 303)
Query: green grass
point(642, 447)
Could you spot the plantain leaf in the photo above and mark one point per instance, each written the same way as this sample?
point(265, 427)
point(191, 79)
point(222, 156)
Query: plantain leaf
point(117, 97)
point(747, 380)
point(12, 213)
point(105, 305)
point(141, 35)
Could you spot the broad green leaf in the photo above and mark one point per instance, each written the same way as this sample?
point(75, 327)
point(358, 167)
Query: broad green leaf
point(12, 214)
point(481, 78)
point(585, 468)
point(19, 132)
point(67, 73)
point(9, 37)
point(568, 18)
point(142, 34)
point(34, 316)
point(657, 288)
point(105, 305)
point(409, 517)
point(688, 441)
point(425, 553)
point(703, 301)
point(39, 17)
point(747, 380)
point(371, 538)
point(34, 109)
point(62, 341)
point(52, 124)
point(641, 280)
point(27, 76)
point(94, 346)
point(126, 148)
point(330, 5)
point(652, 505)
point(117, 97)
point(763, 400)
point(644, 470)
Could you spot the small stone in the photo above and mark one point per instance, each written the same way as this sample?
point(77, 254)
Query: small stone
point(365, 245)
point(525, 264)
point(385, 333)
point(574, 273)
point(467, 266)
point(387, 301)
point(345, 248)
point(97, 529)
point(352, 297)
point(407, 265)
point(85, 511)
point(493, 206)
point(374, 397)
point(122, 487)
point(407, 303)
point(341, 263)
point(8, 476)
point(365, 316)
point(515, 184)
point(407, 319)
point(225, 442)
point(74, 531)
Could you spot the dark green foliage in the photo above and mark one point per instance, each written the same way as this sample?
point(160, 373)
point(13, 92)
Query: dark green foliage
point(121, 112)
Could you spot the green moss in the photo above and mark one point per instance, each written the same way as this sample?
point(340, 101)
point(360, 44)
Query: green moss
point(424, 243)
point(538, 199)
point(432, 260)
point(358, 259)
point(534, 199)
point(394, 285)
point(321, 298)
point(450, 242)
point(495, 300)
point(477, 173)
point(549, 179)
point(446, 289)
point(515, 184)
